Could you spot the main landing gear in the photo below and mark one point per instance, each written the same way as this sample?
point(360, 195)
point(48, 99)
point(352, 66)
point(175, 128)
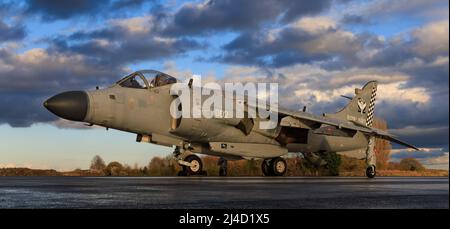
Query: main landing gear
point(274, 167)
point(223, 167)
point(191, 164)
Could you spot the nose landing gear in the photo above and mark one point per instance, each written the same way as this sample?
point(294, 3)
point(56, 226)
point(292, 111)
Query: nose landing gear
point(191, 164)
point(274, 167)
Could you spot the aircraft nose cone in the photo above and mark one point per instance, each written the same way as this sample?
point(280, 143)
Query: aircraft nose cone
point(71, 105)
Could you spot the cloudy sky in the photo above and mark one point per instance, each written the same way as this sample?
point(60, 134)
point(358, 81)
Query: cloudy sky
point(316, 50)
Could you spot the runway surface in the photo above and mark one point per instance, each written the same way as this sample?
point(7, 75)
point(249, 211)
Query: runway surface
point(217, 192)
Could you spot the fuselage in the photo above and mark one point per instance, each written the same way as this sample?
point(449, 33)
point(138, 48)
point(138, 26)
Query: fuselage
point(147, 112)
point(144, 109)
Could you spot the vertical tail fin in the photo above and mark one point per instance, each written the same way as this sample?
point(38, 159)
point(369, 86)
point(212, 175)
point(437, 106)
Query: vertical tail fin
point(361, 107)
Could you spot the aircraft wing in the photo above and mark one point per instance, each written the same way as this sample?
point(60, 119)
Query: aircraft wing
point(343, 125)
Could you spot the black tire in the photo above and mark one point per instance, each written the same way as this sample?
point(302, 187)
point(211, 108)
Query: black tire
point(371, 171)
point(278, 166)
point(265, 167)
point(183, 172)
point(197, 168)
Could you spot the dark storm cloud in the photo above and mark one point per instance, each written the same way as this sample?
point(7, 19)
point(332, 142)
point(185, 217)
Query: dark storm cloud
point(198, 19)
point(417, 154)
point(123, 4)
point(54, 10)
point(334, 47)
point(295, 45)
point(354, 19)
point(122, 45)
point(423, 125)
point(75, 61)
point(290, 46)
point(425, 137)
point(11, 32)
point(433, 77)
point(295, 9)
point(129, 51)
point(27, 79)
point(22, 110)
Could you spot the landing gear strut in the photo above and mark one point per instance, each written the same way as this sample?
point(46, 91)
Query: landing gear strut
point(191, 164)
point(274, 167)
point(265, 167)
point(371, 159)
point(223, 167)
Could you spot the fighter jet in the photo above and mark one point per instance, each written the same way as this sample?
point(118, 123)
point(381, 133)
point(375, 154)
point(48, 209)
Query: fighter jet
point(140, 103)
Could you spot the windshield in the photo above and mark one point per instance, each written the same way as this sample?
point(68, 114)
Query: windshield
point(133, 81)
point(157, 79)
point(146, 79)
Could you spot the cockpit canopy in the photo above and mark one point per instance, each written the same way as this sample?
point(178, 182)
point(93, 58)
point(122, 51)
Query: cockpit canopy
point(146, 79)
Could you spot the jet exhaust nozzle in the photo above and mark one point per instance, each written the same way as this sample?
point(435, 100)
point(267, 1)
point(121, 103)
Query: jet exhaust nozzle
point(71, 105)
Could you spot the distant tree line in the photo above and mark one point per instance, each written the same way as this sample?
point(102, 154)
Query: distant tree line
point(297, 166)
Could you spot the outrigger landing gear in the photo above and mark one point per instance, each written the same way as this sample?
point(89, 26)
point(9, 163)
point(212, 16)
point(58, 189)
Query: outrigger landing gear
point(274, 167)
point(371, 171)
point(191, 164)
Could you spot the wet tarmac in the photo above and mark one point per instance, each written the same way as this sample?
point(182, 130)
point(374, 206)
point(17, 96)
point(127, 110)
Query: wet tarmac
point(225, 193)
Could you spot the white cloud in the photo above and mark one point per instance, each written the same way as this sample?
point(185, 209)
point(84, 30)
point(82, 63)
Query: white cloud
point(309, 84)
point(142, 24)
point(396, 92)
point(432, 38)
point(315, 25)
point(431, 158)
point(329, 37)
point(439, 160)
point(37, 68)
point(440, 61)
point(426, 150)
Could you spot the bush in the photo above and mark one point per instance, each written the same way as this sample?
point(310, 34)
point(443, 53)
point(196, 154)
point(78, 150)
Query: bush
point(411, 164)
point(333, 162)
point(97, 165)
point(349, 164)
point(162, 166)
point(114, 169)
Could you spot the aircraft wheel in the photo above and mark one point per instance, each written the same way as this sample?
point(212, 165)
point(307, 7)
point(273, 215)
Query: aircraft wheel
point(196, 167)
point(278, 166)
point(371, 171)
point(266, 168)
